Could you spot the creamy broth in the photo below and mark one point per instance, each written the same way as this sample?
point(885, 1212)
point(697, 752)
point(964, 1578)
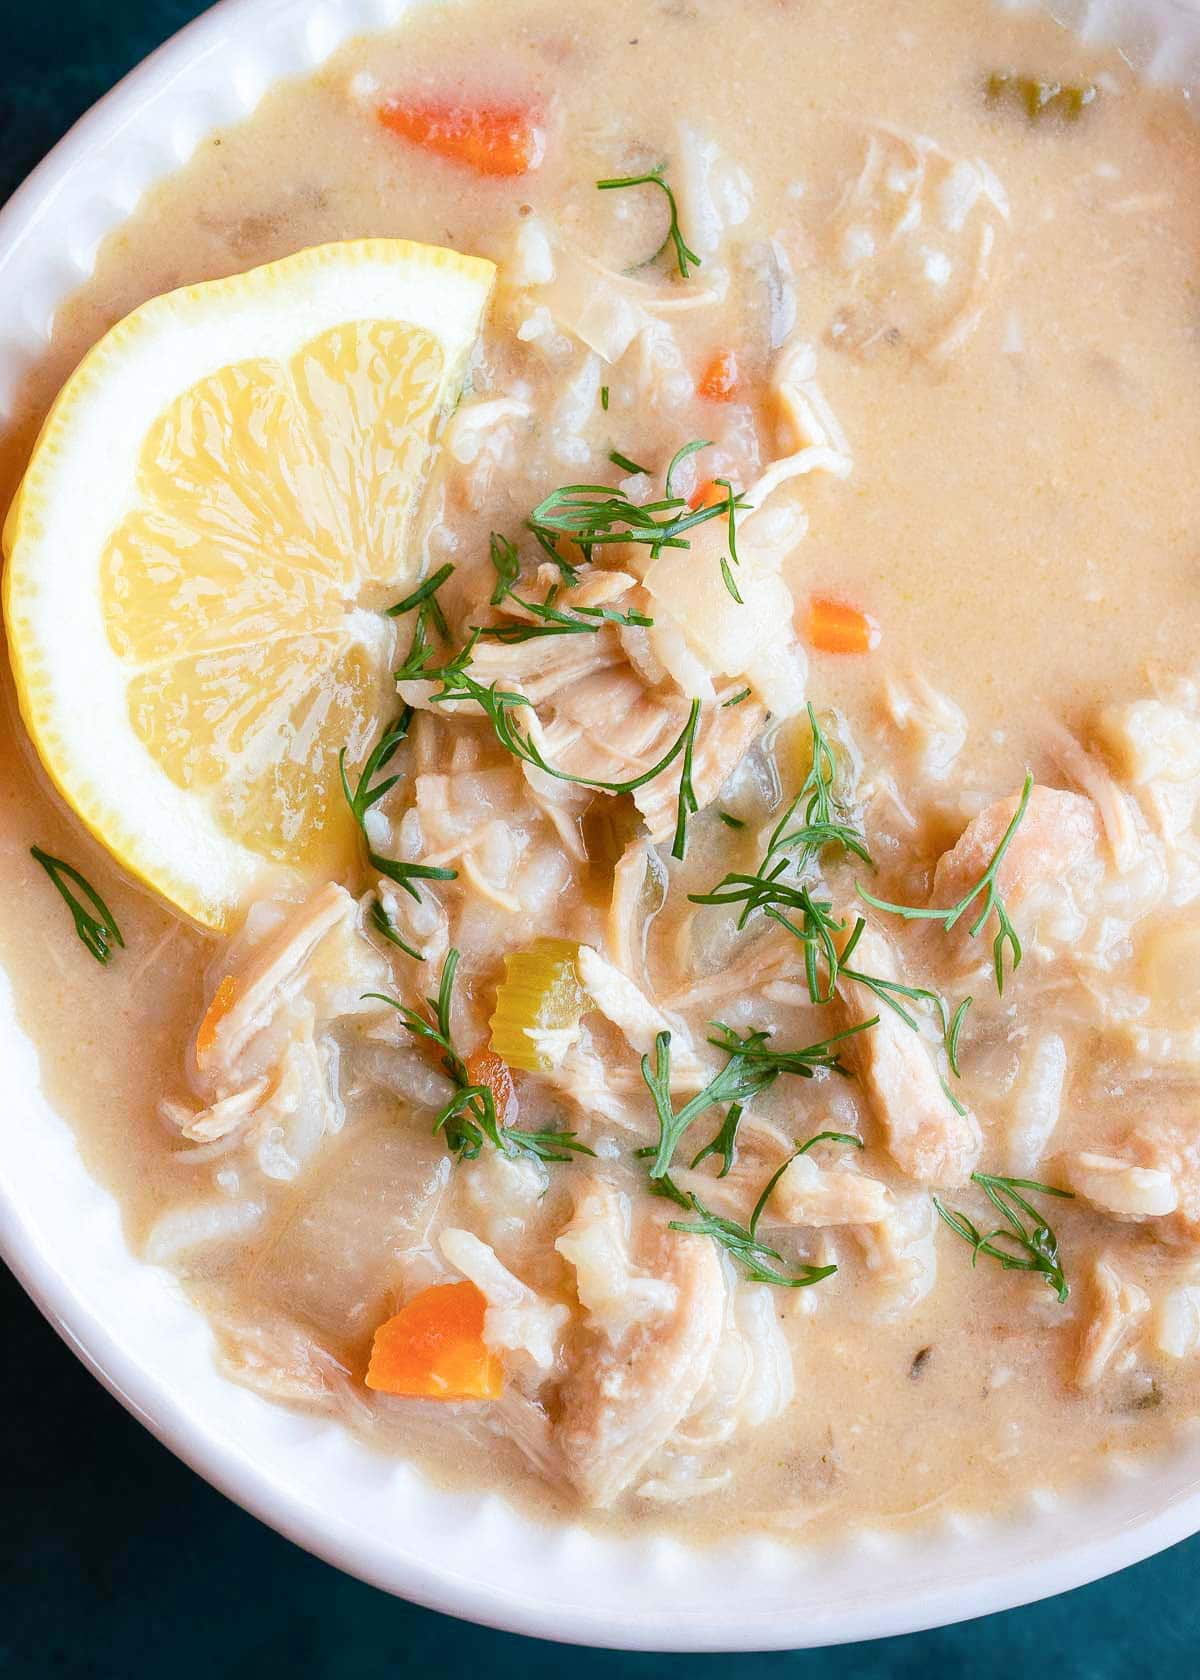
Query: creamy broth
point(1015, 378)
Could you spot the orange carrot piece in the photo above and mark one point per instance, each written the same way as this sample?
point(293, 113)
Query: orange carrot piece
point(484, 1067)
point(719, 381)
point(433, 1348)
point(833, 627)
point(707, 494)
point(490, 139)
point(223, 1000)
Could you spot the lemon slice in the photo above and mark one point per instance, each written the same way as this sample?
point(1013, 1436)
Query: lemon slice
point(218, 505)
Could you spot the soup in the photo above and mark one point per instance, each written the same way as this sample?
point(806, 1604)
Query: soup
point(727, 1056)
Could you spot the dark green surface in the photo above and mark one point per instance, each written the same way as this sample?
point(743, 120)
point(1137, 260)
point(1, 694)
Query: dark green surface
point(115, 1561)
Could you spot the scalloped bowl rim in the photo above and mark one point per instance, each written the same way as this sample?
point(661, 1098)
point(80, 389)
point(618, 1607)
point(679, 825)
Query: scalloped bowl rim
point(131, 1324)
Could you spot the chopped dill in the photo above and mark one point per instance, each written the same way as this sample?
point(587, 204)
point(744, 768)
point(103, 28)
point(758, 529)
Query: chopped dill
point(368, 792)
point(730, 821)
point(727, 579)
point(1018, 1246)
point(684, 255)
point(97, 927)
point(736, 699)
point(1006, 937)
point(469, 1119)
point(687, 804)
point(625, 464)
point(387, 929)
point(604, 398)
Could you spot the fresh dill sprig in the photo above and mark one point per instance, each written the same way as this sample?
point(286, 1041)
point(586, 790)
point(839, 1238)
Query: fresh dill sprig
point(679, 457)
point(426, 590)
point(735, 1083)
point(469, 1119)
point(656, 177)
point(507, 565)
point(553, 621)
point(499, 706)
point(1017, 1246)
point(97, 927)
point(986, 885)
point(742, 1241)
point(592, 515)
point(387, 929)
point(749, 1252)
point(822, 826)
point(369, 792)
point(625, 464)
point(816, 935)
point(687, 805)
point(805, 1063)
point(801, 1149)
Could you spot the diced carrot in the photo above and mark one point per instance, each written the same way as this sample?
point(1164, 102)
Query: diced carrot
point(223, 1000)
point(433, 1348)
point(833, 627)
point(490, 139)
point(719, 381)
point(707, 494)
point(484, 1067)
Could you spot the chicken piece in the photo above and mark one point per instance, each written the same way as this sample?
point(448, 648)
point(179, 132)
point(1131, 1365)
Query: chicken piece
point(1172, 1146)
point(1036, 1103)
point(810, 1194)
point(1118, 1308)
point(901, 1252)
point(274, 974)
point(1177, 1319)
point(596, 1244)
point(1119, 1187)
point(633, 1382)
point(935, 728)
point(637, 1019)
point(925, 1134)
point(1058, 841)
point(723, 738)
point(624, 937)
point(518, 1320)
point(1151, 741)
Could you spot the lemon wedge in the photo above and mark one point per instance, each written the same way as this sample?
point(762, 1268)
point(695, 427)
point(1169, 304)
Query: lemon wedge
point(218, 506)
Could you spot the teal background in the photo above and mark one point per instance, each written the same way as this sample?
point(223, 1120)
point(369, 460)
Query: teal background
point(116, 1561)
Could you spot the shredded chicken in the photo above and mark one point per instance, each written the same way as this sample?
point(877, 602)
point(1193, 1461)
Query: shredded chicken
point(518, 1320)
point(926, 1135)
point(811, 1194)
point(1117, 1309)
point(1119, 1187)
point(633, 1383)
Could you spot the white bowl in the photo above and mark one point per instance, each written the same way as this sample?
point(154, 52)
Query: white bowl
point(130, 1323)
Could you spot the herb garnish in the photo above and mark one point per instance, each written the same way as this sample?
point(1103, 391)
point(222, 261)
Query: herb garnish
point(804, 1063)
point(765, 888)
point(625, 464)
point(361, 798)
point(591, 515)
point(655, 177)
point(736, 1081)
point(727, 579)
point(554, 622)
point(744, 1246)
point(499, 705)
point(387, 929)
point(736, 699)
point(986, 884)
point(507, 564)
point(1029, 1250)
point(604, 398)
point(469, 1118)
point(96, 927)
